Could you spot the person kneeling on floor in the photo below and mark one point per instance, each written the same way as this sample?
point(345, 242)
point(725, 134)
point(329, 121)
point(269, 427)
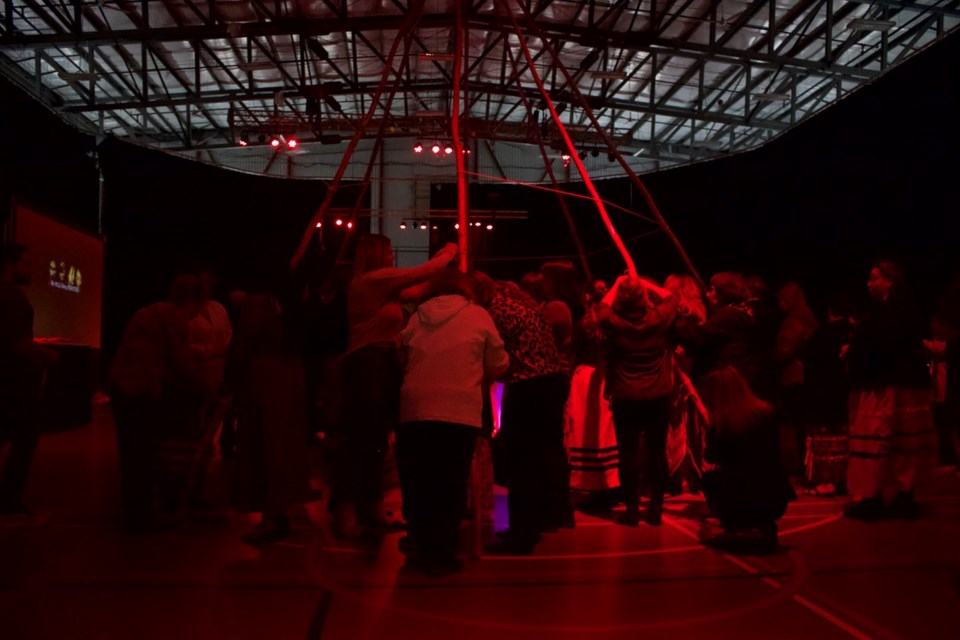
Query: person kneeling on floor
point(747, 489)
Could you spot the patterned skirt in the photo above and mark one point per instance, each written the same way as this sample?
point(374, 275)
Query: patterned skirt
point(589, 436)
point(893, 443)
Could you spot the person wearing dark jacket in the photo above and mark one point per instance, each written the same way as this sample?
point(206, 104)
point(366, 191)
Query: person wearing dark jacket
point(748, 489)
point(892, 438)
point(639, 384)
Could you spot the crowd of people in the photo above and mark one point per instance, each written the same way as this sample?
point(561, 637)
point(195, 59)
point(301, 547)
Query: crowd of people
point(624, 393)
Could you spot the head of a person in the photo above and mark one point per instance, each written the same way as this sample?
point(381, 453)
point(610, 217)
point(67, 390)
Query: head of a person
point(449, 282)
point(727, 287)
point(16, 265)
point(885, 279)
point(560, 281)
point(533, 285)
point(186, 292)
point(374, 251)
point(687, 292)
point(791, 299)
point(631, 295)
point(756, 286)
point(596, 291)
point(730, 402)
point(482, 288)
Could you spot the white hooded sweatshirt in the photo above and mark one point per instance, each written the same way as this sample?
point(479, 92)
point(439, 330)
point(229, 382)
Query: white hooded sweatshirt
point(450, 346)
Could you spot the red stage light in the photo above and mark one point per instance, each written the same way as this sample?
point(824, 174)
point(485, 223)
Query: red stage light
point(242, 142)
point(319, 225)
point(349, 225)
point(403, 226)
point(339, 222)
point(418, 148)
point(456, 226)
point(423, 225)
point(489, 227)
point(436, 149)
point(448, 149)
point(292, 143)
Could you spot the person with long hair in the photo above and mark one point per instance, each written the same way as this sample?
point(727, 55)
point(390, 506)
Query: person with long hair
point(639, 383)
point(728, 337)
point(892, 437)
point(450, 347)
point(372, 377)
point(747, 488)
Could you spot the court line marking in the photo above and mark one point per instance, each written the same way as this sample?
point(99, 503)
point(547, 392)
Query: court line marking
point(796, 597)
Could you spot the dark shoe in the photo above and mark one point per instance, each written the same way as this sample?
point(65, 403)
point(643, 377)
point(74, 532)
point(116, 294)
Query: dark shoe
point(630, 517)
point(655, 516)
point(267, 531)
point(904, 507)
point(443, 567)
point(867, 510)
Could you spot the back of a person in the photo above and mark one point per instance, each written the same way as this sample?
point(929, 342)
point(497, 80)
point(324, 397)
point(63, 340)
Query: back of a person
point(640, 368)
point(141, 366)
point(445, 347)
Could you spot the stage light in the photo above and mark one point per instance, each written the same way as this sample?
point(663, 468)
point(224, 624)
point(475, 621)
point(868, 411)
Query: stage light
point(456, 226)
point(275, 142)
point(447, 150)
point(489, 227)
point(436, 149)
point(292, 143)
point(349, 225)
point(435, 227)
point(566, 159)
point(244, 140)
point(403, 225)
point(339, 222)
point(423, 226)
point(466, 151)
point(477, 224)
point(418, 148)
point(319, 225)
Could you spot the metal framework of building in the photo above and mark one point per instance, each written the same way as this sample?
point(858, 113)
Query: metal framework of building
point(669, 81)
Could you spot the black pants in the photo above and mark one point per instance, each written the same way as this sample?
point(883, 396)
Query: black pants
point(649, 419)
point(371, 378)
point(433, 460)
point(138, 422)
point(534, 456)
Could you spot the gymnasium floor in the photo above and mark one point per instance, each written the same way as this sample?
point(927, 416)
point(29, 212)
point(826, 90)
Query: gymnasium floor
point(80, 577)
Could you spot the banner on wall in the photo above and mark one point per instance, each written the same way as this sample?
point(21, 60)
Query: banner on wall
point(66, 290)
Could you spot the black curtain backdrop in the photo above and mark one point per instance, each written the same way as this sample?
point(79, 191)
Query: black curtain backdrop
point(871, 177)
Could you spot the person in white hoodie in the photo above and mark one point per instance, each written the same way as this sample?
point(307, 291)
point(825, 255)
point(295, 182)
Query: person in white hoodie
point(450, 347)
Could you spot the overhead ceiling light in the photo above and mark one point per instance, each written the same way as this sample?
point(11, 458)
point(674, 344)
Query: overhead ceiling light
point(869, 24)
point(609, 75)
point(430, 56)
point(79, 76)
point(771, 97)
